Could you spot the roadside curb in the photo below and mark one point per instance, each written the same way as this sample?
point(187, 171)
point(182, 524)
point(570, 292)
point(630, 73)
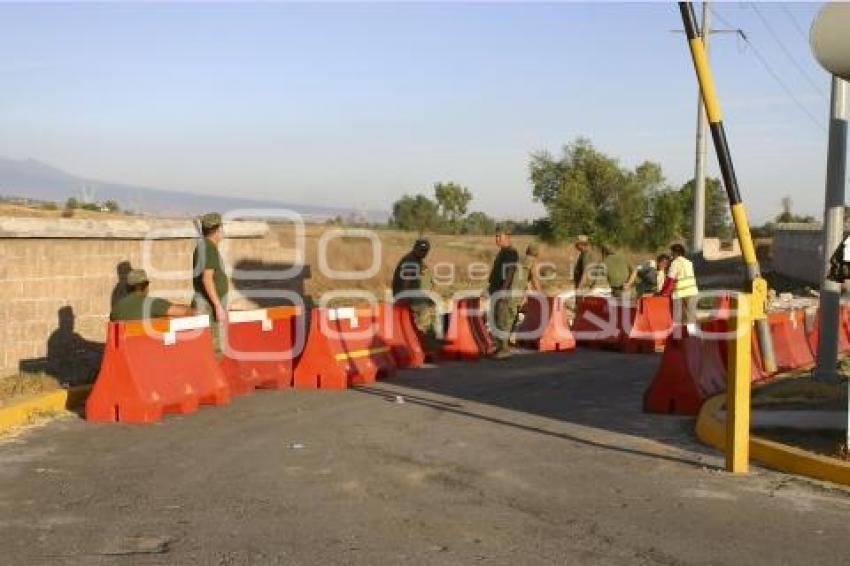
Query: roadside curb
point(52, 402)
point(711, 430)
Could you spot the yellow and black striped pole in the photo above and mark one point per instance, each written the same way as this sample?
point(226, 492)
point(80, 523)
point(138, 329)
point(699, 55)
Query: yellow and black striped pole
point(727, 171)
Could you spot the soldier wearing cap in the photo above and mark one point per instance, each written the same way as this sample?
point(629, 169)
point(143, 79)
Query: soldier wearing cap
point(209, 278)
point(582, 245)
point(412, 275)
point(530, 267)
point(505, 287)
point(137, 305)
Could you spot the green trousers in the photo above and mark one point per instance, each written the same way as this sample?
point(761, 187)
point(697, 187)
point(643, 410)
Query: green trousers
point(505, 312)
point(203, 306)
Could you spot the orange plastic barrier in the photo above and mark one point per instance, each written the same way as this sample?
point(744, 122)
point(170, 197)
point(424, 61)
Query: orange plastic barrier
point(343, 348)
point(645, 325)
point(641, 325)
point(790, 343)
point(843, 331)
point(545, 326)
point(155, 367)
point(467, 336)
point(258, 349)
point(692, 369)
point(595, 322)
point(396, 329)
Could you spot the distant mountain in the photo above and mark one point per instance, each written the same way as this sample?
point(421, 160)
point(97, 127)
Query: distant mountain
point(30, 178)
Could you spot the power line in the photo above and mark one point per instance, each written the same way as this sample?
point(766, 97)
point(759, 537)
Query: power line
point(786, 51)
point(795, 23)
point(770, 71)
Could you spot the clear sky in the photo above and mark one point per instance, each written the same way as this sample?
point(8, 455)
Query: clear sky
point(357, 104)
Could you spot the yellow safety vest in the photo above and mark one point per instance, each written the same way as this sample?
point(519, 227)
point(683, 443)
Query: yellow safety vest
point(682, 270)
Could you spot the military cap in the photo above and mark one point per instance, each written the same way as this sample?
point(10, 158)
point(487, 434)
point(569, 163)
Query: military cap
point(532, 249)
point(137, 277)
point(210, 220)
point(422, 245)
point(582, 239)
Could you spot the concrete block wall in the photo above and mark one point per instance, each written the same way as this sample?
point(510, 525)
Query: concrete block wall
point(798, 252)
point(56, 293)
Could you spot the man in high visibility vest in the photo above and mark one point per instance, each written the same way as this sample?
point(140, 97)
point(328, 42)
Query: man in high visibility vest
point(681, 285)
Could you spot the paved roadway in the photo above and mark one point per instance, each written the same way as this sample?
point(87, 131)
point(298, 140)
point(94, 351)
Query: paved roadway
point(543, 459)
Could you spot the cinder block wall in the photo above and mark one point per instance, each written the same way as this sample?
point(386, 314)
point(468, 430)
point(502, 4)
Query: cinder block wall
point(56, 293)
point(798, 252)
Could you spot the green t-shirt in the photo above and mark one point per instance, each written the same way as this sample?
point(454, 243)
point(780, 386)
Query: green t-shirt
point(207, 256)
point(411, 274)
point(617, 269)
point(139, 306)
point(506, 259)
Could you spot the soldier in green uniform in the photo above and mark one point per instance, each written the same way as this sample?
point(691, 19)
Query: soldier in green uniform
point(529, 265)
point(583, 260)
point(137, 305)
point(504, 282)
point(412, 275)
point(620, 273)
point(209, 279)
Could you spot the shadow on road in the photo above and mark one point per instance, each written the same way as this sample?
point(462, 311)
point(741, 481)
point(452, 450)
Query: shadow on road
point(600, 390)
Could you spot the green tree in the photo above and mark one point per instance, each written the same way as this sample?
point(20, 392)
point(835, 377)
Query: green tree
point(112, 206)
point(417, 213)
point(717, 220)
point(478, 223)
point(452, 201)
point(587, 192)
point(72, 203)
point(788, 215)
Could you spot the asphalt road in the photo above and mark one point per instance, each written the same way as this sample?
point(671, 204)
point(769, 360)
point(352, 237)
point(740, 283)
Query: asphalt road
point(543, 459)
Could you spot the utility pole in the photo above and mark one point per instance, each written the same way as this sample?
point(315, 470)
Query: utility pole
point(698, 236)
point(833, 232)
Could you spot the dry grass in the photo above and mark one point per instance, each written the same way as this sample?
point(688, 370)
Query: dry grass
point(23, 384)
point(463, 261)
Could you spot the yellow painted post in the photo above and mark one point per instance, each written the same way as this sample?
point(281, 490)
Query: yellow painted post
point(738, 388)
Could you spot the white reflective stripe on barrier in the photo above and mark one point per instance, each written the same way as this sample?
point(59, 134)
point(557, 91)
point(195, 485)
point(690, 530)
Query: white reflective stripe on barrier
point(342, 313)
point(188, 323)
point(255, 315)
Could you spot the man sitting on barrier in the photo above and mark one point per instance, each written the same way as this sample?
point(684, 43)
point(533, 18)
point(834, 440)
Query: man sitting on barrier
point(137, 305)
point(651, 275)
point(209, 278)
point(411, 276)
point(506, 288)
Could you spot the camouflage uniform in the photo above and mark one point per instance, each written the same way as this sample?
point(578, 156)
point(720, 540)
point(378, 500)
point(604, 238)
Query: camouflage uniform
point(412, 274)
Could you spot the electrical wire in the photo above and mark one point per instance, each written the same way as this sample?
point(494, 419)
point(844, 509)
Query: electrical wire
point(803, 35)
point(776, 77)
point(787, 52)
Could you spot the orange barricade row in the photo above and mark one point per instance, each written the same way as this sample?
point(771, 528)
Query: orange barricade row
point(466, 336)
point(155, 367)
point(258, 348)
point(545, 326)
point(641, 325)
point(693, 368)
point(396, 329)
point(843, 331)
point(790, 343)
point(343, 348)
point(595, 322)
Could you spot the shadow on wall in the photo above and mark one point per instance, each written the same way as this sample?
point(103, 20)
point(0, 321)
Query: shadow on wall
point(269, 291)
point(70, 358)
